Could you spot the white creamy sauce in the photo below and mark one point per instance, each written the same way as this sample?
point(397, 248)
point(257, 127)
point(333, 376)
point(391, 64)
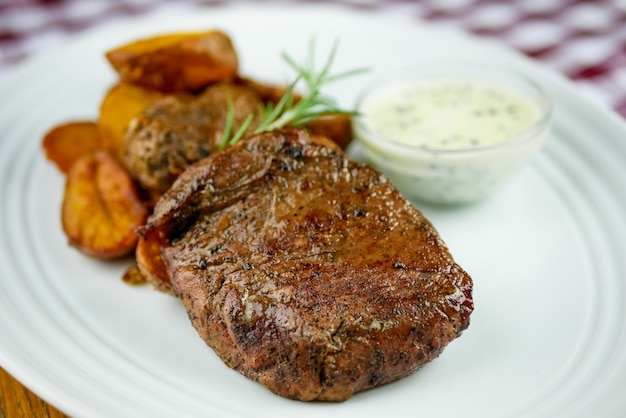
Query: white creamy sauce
point(436, 138)
point(448, 114)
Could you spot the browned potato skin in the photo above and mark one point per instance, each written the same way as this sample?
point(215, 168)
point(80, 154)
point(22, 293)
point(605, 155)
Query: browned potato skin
point(67, 142)
point(176, 62)
point(101, 207)
point(337, 127)
point(150, 264)
point(121, 104)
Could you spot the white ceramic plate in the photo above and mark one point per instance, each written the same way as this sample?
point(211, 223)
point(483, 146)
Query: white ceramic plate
point(548, 336)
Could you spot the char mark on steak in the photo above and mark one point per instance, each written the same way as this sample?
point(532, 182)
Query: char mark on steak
point(306, 271)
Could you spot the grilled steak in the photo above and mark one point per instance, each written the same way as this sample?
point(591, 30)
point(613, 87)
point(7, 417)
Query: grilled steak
point(306, 271)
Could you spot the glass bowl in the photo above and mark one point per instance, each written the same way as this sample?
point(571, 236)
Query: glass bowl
point(423, 164)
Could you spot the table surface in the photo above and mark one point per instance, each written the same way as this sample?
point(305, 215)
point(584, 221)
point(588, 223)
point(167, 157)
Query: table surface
point(584, 40)
point(17, 401)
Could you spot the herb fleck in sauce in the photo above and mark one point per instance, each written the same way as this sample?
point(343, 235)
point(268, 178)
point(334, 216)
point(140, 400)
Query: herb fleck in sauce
point(451, 114)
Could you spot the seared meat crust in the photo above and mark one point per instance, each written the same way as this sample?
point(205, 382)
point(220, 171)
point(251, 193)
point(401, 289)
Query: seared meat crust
point(181, 129)
point(306, 271)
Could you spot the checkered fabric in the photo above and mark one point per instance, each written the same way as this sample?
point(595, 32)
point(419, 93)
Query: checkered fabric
point(585, 40)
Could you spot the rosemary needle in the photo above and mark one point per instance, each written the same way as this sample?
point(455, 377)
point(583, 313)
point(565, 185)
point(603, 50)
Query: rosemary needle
point(288, 111)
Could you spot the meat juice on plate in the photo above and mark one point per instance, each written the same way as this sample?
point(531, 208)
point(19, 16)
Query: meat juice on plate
point(452, 136)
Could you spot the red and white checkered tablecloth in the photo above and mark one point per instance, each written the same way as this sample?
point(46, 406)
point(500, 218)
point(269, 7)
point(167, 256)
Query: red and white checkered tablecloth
point(585, 40)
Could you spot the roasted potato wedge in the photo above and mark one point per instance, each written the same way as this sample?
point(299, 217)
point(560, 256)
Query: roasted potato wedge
point(151, 265)
point(101, 207)
point(65, 143)
point(337, 127)
point(121, 104)
point(176, 62)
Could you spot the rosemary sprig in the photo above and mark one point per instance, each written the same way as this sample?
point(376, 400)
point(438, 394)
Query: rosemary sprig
point(288, 111)
point(228, 126)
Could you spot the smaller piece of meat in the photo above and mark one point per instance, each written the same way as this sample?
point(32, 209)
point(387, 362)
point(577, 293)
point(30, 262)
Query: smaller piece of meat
point(181, 129)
